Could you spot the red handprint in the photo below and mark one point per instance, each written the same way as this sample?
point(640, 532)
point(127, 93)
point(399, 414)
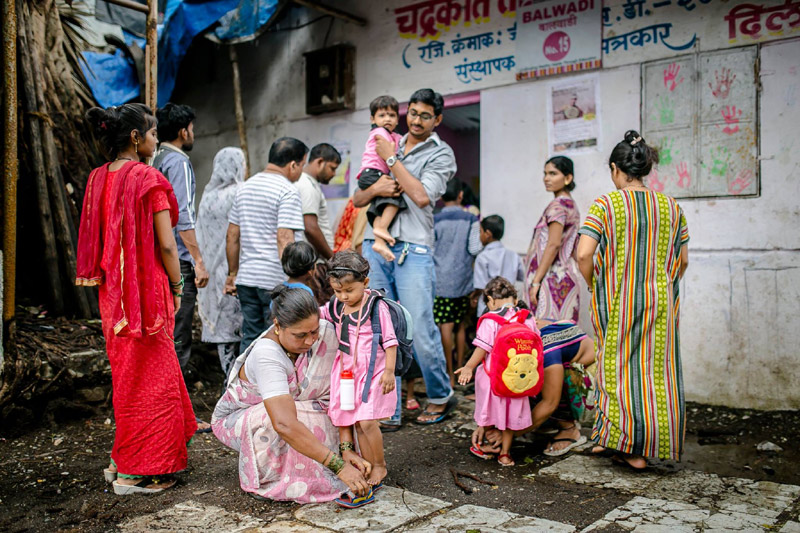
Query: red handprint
point(671, 80)
point(742, 182)
point(731, 116)
point(723, 83)
point(684, 178)
point(654, 183)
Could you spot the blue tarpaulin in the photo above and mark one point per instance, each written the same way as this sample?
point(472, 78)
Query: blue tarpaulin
point(112, 77)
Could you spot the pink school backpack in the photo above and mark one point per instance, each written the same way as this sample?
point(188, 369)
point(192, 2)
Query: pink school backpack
point(517, 358)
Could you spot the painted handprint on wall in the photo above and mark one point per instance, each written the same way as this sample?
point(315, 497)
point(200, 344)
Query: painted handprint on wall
point(665, 151)
point(720, 159)
point(722, 84)
point(684, 178)
point(742, 182)
point(654, 182)
point(671, 80)
point(731, 116)
point(666, 112)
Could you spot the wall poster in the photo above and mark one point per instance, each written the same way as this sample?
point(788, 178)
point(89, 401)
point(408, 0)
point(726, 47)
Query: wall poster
point(339, 186)
point(573, 109)
point(558, 36)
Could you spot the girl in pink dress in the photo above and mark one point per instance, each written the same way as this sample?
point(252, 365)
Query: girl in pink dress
point(348, 277)
point(492, 411)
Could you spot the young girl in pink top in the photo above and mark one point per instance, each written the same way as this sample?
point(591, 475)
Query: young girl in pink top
point(505, 414)
point(384, 117)
point(348, 277)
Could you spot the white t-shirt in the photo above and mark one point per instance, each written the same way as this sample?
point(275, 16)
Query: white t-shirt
point(263, 204)
point(269, 368)
point(314, 203)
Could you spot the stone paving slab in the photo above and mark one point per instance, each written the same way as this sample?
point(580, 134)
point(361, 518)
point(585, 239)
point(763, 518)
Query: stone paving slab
point(762, 499)
point(599, 472)
point(393, 508)
point(791, 527)
point(191, 516)
point(485, 520)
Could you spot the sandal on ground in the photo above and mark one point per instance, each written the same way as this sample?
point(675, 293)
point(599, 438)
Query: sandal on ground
point(142, 486)
point(386, 427)
point(550, 452)
point(348, 502)
point(621, 460)
point(480, 454)
point(510, 463)
point(412, 404)
point(448, 407)
point(377, 487)
point(109, 475)
point(601, 451)
point(204, 430)
point(257, 496)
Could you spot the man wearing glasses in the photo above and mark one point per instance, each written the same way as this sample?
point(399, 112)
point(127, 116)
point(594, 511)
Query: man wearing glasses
point(421, 165)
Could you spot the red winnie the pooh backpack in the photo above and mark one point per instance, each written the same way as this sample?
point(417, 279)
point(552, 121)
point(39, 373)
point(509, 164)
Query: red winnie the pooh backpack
point(517, 358)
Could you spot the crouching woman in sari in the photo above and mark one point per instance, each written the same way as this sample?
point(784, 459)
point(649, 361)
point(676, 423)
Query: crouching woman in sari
point(275, 410)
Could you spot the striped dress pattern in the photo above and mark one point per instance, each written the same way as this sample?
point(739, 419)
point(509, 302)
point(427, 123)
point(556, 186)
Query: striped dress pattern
point(635, 311)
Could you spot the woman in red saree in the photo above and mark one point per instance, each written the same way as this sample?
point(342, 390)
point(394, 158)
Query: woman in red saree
point(127, 249)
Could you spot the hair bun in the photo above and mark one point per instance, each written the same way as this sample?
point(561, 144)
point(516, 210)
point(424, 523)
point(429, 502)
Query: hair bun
point(633, 138)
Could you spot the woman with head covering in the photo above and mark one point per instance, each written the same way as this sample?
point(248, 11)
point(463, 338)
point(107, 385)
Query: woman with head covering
point(220, 313)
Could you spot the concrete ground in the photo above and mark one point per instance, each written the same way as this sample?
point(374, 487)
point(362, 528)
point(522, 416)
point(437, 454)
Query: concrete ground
point(51, 480)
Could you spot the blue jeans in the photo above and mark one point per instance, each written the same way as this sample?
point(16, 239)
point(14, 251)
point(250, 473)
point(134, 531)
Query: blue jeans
point(412, 284)
point(255, 313)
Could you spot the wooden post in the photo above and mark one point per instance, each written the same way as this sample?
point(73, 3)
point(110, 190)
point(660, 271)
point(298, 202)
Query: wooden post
point(10, 159)
point(42, 193)
point(237, 102)
point(62, 223)
point(151, 57)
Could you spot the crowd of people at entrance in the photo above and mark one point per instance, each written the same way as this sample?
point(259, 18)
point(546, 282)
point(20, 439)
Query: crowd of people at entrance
point(316, 328)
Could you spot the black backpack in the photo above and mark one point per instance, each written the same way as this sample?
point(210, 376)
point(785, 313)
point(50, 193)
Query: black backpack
point(403, 330)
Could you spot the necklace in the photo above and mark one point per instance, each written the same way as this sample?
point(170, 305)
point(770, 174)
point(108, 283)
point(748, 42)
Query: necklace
point(123, 159)
point(630, 187)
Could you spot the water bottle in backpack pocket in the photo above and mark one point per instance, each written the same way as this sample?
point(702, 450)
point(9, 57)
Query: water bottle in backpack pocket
point(403, 330)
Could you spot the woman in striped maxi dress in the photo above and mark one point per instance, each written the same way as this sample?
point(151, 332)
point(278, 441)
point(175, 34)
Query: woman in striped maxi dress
point(641, 239)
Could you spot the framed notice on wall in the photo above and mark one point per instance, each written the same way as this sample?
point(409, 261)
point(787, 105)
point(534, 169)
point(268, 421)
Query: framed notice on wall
point(573, 112)
point(558, 36)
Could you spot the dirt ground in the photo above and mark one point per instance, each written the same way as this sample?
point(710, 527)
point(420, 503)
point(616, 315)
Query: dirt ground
point(51, 469)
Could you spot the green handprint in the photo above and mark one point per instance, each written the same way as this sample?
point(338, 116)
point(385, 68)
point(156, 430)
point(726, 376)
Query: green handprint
point(665, 151)
point(666, 112)
point(720, 158)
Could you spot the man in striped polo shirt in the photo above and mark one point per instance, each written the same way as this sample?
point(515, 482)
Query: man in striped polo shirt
point(265, 215)
point(176, 131)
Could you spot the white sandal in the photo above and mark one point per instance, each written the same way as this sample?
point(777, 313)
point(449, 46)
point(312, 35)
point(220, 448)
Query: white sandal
point(550, 452)
point(140, 486)
point(110, 475)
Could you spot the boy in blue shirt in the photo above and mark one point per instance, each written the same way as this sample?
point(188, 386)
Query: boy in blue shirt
point(495, 259)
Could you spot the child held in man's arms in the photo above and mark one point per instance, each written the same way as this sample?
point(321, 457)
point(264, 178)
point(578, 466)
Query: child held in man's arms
point(384, 117)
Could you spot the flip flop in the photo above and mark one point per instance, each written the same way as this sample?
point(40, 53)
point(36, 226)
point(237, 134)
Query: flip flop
point(573, 443)
point(412, 404)
point(109, 475)
point(140, 486)
point(388, 428)
point(206, 430)
point(448, 407)
point(619, 460)
point(348, 502)
point(480, 454)
point(376, 488)
point(512, 463)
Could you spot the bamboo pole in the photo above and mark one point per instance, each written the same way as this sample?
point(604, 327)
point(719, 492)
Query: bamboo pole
point(63, 225)
point(237, 101)
point(42, 193)
point(151, 59)
point(10, 160)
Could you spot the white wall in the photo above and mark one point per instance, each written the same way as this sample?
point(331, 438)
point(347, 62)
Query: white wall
point(740, 309)
point(740, 305)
